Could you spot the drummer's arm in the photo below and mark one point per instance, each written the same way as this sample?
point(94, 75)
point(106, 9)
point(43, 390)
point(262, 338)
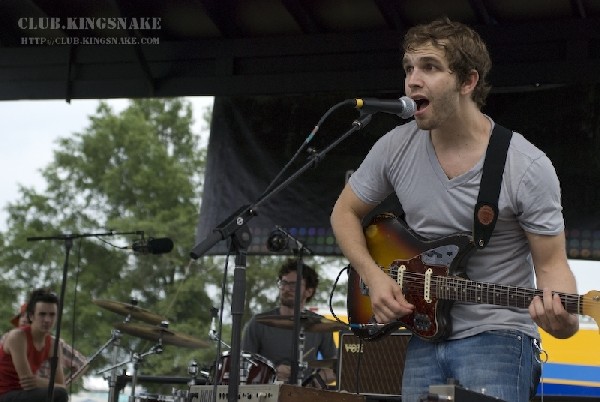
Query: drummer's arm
point(283, 371)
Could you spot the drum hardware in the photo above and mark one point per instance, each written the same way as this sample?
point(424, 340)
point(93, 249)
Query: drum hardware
point(194, 371)
point(75, 375)
point(124, 379)
point(130, 310)
point(213, 334)
point(301, 362)
point(114, 340)
point(314, 377)
point(137, 359)
point(116, 381)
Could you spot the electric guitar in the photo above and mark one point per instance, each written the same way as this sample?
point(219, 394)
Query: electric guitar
point(432, 276)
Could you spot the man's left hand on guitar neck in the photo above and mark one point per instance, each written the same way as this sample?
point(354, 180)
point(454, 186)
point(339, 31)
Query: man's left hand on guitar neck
point(550, 315)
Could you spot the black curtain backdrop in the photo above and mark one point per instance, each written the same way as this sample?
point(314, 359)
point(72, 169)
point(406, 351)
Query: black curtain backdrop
point(252, 139)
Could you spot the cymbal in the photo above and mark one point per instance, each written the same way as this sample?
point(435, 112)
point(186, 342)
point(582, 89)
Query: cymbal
point(310, 323)
point(156, 333)
point(323, 364)
point(132, 310)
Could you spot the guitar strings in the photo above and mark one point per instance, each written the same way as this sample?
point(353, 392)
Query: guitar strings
point(445, 285)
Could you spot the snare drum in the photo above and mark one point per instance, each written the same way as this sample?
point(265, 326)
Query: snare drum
point(254, 369)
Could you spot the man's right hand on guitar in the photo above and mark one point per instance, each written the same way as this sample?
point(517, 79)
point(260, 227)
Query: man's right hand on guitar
point(387, 301)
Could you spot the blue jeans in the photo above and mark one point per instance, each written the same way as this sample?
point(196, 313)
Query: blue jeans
point(503, 364)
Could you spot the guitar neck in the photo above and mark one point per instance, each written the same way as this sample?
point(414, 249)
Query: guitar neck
point(460, 289)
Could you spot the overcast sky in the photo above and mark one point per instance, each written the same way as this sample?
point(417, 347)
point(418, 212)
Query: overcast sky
point(30, 129)
point(29, 133)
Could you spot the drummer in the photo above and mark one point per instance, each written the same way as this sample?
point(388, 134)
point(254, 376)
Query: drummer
point(275, 344)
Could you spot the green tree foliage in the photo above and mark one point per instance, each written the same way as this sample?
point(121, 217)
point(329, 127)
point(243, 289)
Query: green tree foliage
point(137, 170)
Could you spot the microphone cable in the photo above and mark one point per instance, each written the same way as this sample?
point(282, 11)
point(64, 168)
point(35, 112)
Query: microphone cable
point(304, 144)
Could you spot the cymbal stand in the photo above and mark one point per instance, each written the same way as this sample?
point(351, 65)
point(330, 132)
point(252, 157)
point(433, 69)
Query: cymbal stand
point(301, 363)
point(112, 383)
point(213, 334)
point(74, 376)
point(139, 358)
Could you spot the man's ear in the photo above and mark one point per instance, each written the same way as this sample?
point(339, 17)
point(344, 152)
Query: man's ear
point(468, 86)
point(310, 292)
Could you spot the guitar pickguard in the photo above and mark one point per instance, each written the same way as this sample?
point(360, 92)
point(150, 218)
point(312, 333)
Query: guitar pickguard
point(442, 255)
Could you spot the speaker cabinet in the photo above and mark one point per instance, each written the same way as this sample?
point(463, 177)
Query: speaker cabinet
point(372, 367)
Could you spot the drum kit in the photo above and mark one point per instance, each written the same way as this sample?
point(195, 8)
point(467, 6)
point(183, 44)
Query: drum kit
point(254, 369)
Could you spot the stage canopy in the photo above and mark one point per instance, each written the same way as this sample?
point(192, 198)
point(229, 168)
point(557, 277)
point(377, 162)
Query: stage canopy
point(71, 49)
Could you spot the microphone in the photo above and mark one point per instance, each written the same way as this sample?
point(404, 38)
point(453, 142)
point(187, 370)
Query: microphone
point(279, 239)
point(161, 245)
point(404, 107)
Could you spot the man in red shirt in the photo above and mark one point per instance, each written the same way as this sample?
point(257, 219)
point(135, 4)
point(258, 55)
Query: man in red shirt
point(73, 361)
point(24, 350)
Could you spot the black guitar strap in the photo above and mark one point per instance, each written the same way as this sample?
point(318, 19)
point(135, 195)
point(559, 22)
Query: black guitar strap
point(486, 210)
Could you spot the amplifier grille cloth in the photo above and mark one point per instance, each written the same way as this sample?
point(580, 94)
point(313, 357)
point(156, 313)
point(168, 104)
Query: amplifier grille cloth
point(381, 364)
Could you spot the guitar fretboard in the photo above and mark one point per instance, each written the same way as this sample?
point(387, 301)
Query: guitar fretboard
point(465, 290)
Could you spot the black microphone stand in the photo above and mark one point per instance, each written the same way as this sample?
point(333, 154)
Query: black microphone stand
point(298, 336)
point(68, 241)
point(297, 352)
point(238, 221)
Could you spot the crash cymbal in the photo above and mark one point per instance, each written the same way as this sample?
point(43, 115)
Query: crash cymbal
point(325, 363)
point(310, 323)
point(132, 310)
point(156, 333)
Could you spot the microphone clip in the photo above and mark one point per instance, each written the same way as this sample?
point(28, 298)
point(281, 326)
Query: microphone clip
point(279, 240)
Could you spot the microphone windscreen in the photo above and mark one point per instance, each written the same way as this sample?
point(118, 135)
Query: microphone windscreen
point(160, 246)
point(410, 107)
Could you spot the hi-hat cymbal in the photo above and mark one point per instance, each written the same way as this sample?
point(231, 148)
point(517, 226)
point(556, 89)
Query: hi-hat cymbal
point(132, 310)
point(310, 323)
point(156, 333)
point(325, 363)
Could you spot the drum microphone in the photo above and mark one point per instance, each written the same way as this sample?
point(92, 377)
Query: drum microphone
point(212, 333)
point(404, 107)
point(160, 245)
